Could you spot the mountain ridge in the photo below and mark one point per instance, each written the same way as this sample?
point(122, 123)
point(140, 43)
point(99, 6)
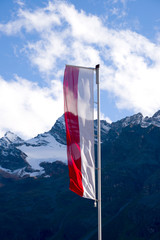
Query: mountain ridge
point(40, 206)
point(50, 146)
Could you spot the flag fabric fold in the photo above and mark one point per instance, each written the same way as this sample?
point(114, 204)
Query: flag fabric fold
point(79, 120)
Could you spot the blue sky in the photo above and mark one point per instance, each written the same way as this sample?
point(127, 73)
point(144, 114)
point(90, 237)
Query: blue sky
point(37, 39)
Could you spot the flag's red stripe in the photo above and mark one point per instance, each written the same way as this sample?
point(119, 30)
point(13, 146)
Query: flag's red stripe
point(70, 86)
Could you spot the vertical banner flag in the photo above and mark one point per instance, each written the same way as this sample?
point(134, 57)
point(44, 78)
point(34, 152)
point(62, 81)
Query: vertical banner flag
point(79, 120)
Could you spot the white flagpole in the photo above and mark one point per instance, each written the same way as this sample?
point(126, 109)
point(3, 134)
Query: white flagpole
point(99, 155)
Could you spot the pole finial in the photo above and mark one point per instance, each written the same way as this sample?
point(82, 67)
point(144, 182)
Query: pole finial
point(97, 66)
point(97, 73)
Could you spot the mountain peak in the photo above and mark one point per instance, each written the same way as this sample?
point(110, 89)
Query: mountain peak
point(58, 131)
point(12, 138)
point(9, 134)
point(157, 114)
point(61, 119)
point(135, 119)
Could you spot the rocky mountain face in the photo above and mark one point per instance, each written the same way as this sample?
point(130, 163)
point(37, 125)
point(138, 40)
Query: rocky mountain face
point(25, 158)
point(58, 131)
point(10, 156)
point(131, 188)
point(36, 203)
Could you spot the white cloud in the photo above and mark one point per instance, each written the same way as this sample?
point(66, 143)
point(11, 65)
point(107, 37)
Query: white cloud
point(130, 63)
point(27, 109)
point(20, 2)
point(46, 52)
point(38, 20)
point(134, 75)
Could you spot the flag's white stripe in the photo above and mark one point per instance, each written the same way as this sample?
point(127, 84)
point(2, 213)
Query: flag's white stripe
point(86, 129)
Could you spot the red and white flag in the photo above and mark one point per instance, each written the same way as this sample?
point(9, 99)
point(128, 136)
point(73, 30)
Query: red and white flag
point(79, 120)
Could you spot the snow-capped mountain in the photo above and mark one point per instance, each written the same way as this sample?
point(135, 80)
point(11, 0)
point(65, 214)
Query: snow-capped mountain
point(26, 158)
point(58, 131)
point(23, 158)
point(10, 137)
point(11, 158)
point(130, 183)
point(132, 120)
point(136, 119)
point(43, 148)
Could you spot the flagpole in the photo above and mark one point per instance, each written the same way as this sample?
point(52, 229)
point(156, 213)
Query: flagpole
point(99, 155)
